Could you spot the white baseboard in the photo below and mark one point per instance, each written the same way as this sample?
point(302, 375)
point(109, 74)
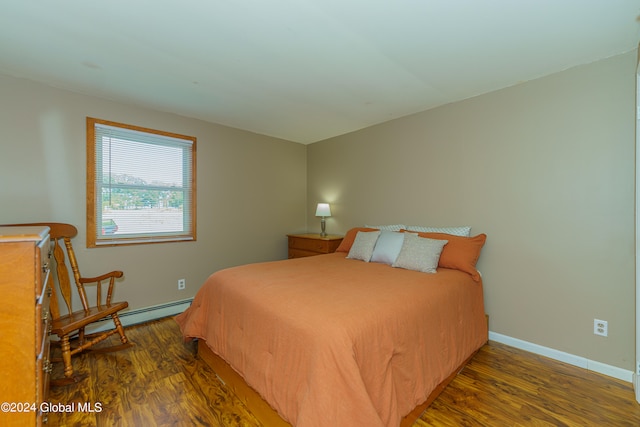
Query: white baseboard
point(636, 386)
point(141, 315)
point(571, 359)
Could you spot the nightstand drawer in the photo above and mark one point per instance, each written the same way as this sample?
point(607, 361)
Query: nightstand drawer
point(300, 253)
point(302, 245)
point(314, 245)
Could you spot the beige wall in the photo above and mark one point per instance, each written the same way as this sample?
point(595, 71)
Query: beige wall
point(251, 188)
point(544, 168)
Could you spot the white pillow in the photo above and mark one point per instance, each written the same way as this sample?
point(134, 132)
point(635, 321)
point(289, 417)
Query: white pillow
point(420, 253)
point(387, 247)
point(363, 245)
point(394, 227)
point(456, 231)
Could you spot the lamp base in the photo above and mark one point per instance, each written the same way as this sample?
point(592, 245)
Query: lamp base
point(323, 225)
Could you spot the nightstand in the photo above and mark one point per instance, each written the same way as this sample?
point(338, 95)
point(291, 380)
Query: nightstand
point(302, 245)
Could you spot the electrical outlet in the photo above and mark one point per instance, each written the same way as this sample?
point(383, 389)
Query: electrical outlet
point(182, 283)
point(600, 327)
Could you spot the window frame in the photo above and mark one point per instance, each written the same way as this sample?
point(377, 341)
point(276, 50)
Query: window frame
point(93, 241)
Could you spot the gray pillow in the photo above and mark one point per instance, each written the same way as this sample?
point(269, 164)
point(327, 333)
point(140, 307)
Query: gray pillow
point(387, 247)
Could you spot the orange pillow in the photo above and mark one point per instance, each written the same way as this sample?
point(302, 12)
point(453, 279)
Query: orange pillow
point(350, 237)
point(461, 253)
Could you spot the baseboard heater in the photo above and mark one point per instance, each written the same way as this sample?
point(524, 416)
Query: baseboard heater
point(141, 315)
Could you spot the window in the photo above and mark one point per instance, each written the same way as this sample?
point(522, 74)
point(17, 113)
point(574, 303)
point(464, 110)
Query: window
point(140, 185)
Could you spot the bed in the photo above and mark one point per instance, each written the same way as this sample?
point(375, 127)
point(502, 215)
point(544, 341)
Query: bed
point(334, 340)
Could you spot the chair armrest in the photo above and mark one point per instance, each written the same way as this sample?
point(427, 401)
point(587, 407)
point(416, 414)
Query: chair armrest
point(114, 274)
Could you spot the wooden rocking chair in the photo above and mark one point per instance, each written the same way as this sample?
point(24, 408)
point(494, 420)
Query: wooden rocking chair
point(66, 326)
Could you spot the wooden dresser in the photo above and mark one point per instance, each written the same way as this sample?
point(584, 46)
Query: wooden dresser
point(25, 324)
point(302, 245)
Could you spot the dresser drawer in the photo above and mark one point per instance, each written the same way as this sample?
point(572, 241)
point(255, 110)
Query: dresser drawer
point(43, 319)
point(43, 372)
point(43, 265)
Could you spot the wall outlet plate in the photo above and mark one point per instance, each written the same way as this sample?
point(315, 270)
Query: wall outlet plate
point(182, 283)
point(600, 327)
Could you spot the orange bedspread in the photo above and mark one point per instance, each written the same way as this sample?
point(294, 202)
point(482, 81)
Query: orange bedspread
point(332, 341)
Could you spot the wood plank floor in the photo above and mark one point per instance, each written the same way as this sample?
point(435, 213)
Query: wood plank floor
point(160, 382)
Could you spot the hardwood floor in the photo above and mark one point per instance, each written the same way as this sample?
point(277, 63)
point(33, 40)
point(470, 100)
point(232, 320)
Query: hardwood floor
point(505, 386)
point(159, 382)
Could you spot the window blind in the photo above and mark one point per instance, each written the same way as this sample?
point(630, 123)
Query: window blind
point(144, 188)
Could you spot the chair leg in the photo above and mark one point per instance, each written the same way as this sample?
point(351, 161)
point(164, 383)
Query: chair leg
point(69, 377)
point(81, 336)
point(119, 328)
point(66, 356)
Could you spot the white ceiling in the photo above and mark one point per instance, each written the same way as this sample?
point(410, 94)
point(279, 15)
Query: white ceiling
point(304, 70)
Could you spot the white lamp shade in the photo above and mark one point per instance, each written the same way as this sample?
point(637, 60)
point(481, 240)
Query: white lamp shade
point(323, 209)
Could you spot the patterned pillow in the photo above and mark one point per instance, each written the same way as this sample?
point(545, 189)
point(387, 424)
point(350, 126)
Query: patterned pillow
point(363, 245)
point(420, 254)
point(394, 227)
point(347, 242)
point(456, 231)
point(461, 253)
